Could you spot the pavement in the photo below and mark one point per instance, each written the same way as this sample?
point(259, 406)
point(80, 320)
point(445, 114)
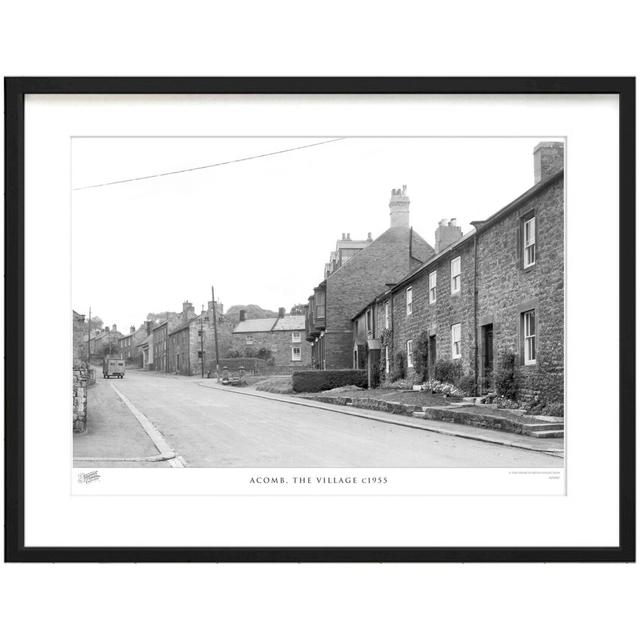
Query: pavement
point(198, 423)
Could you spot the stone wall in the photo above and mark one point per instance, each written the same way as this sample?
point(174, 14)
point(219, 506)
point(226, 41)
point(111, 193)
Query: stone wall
point(80, 379)
point(436, 319)
point(80, 349)
point(505, 290)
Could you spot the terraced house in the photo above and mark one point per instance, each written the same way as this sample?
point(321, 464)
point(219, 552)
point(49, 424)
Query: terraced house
point(497, 292)
point(355, 273)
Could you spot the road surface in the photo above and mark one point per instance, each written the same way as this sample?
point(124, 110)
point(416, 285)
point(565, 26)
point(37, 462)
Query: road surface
point(212, 427)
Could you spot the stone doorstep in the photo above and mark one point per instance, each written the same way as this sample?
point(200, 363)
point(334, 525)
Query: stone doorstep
point(454, 415)
point(556, 433)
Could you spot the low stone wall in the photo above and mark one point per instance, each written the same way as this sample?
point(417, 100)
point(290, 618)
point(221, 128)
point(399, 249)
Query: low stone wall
point(80, 380)
point(370, 403)
point(443, 414)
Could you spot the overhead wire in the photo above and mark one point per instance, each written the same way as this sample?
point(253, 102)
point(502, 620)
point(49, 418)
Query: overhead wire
point(207, 166)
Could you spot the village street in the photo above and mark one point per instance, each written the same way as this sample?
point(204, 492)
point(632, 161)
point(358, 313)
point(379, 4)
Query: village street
point(151, 419)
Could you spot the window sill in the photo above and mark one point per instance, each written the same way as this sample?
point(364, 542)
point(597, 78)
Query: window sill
point(456, 293)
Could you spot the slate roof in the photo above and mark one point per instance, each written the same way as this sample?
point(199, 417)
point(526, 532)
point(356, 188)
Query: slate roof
point(290, 323)
point(266, 325)
point(255, 326)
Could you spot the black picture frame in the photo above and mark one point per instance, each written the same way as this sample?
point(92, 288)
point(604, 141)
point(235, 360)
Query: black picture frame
point(15, 91)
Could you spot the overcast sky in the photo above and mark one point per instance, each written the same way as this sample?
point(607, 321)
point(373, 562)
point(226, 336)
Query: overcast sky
point(260, 230)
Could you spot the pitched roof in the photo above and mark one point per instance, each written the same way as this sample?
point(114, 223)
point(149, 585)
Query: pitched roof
point(255, 326)
point(290, 323)
point(479, 226)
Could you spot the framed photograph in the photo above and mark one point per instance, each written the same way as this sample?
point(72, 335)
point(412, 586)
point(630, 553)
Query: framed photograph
point(320, 319)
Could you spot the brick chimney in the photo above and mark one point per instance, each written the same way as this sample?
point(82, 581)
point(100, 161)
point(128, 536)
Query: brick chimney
point(188, 310)
point(114, 328)
point(147, 326)
point(281, 312)
point(132, 329)
point(447, 233)
point(399, 207)
point(243, 315)
point(548, 159)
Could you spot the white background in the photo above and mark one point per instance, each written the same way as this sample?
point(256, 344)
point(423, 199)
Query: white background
point(488, 38)
point(586, 516)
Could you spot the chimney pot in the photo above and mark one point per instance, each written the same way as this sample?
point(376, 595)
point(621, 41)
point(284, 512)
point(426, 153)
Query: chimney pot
point(446, 234)
point(548, 159)
point(399, 207)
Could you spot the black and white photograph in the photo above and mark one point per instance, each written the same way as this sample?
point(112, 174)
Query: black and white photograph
point(318, 302)
point(320, 320)
point(351, 314)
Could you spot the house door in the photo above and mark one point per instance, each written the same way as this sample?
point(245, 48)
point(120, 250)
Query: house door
point(487, 357)
point(432, 357)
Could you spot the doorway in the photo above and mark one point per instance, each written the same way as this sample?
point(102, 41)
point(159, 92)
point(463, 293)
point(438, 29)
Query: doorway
point(487, 358)
point(432, 357)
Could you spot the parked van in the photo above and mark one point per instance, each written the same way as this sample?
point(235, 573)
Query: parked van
point(113, 367)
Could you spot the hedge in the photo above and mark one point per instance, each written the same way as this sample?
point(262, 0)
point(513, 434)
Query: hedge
point(323, 380)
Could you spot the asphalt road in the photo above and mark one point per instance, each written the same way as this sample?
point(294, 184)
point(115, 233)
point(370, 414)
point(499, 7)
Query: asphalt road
point(209, 427)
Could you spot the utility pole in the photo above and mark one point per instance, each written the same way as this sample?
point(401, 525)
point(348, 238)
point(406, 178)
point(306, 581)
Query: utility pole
point(215, 333)
point(89, 341)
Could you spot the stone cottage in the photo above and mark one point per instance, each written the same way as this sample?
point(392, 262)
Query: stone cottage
point(495, 293)
point(279, 340)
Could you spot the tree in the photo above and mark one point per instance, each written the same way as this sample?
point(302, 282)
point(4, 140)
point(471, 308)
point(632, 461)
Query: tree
point(298, 310)
point(96, 322)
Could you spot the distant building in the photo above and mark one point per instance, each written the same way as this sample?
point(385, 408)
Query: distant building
point(160, 342)
point(105, 342)
point(190, 341)
point(130, 345)
point(356, 272)
point(279, 341)
point(346, 248)
point(145, 346)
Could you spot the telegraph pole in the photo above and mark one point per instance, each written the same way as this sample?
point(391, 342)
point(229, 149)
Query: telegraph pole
point(215, 333)
point(89, 341)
